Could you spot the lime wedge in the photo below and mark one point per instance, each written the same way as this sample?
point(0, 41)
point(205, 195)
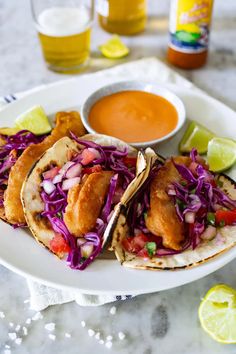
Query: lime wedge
point(221, 154)
point(217, 313)
point(114, 48)
point(34, 120)
point(195, 136)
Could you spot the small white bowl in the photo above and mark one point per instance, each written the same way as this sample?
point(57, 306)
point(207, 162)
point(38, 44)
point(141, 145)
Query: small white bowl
point(136, 86)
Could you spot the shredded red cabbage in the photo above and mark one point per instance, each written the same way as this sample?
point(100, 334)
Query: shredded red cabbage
point(10, 152)
point(55, 203)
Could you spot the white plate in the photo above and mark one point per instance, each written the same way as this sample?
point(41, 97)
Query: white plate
point(21, 253)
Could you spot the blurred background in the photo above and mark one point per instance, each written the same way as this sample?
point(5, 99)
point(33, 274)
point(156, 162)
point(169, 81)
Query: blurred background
point(22, 65)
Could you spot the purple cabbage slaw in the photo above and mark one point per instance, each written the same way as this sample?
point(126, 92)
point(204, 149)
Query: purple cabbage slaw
point(110, 158)
point(197, 193)
point(10, 152)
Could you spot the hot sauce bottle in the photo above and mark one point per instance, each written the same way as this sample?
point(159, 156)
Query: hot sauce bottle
point(190, 22)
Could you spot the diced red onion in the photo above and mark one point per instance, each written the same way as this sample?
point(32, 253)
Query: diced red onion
point(69, 183)
point(189, 217)
point(96, 153)
point(57, 179)
point(87, 250)
point(48, 186)
point(66, 167)
point(74, 171)
point(209, 233)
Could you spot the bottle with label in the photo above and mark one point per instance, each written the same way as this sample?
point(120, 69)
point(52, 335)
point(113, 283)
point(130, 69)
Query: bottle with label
point(189, 32)
point(124, 17)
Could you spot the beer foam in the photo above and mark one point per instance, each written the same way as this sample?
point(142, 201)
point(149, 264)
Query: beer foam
point(63, 21)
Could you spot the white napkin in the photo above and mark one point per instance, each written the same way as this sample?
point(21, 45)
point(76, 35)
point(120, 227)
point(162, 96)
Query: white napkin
point(42, 296)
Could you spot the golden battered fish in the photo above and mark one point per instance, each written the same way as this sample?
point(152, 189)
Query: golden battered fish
point(85, 202)
point(66, 122)
point(162, 219)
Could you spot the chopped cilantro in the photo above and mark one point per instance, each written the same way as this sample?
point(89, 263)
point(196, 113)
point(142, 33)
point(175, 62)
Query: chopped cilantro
point(151, 248)
point(183, 183)
point(211, 219)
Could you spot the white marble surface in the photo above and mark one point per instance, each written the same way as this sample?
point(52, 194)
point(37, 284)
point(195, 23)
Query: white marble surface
point(159, 323)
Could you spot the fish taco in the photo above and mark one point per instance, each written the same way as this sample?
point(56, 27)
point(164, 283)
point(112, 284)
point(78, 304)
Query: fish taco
point(70, 194)
point(183, 215)
point(18, 153)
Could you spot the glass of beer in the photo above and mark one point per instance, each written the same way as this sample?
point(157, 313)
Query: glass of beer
point(64, 29)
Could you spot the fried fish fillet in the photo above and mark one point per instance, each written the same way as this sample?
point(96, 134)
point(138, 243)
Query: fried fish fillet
point(162, 219)
point(66, 122)
point(85, 202)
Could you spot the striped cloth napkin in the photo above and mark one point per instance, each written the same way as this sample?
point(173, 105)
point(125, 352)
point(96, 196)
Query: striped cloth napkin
point(42, 296)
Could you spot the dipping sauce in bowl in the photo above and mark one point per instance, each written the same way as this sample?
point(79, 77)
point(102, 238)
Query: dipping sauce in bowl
point(133, 116)
point(140, 113)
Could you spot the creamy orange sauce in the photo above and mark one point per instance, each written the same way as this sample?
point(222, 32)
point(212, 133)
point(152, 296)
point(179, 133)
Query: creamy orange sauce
point(133, 116)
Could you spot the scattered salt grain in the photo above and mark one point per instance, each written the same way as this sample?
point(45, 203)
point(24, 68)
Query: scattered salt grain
point(97, 335)
point(109, 338)
point(7, 351)
point(91, 332)
point(101, 341)
point(113, 310)
point(50, 326)
point(67, 335)
point(28, 321)
point(18, 341)
point(121, 335)
point(17, 328)
point(7, 346)
point(25, 331)
point(108, 345)
point(2, 314)
point(83, 324)
point(37, 316)
point(12, 336)
point(52, 336)
point(26, 301)
point(11, 324)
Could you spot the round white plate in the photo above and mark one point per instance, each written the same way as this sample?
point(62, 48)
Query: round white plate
point(22, 254)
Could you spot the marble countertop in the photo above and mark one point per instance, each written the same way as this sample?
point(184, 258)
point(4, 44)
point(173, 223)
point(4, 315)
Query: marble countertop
point(158, 323)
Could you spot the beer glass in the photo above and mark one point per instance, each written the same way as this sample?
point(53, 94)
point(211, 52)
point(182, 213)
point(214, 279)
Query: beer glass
point(64, 29)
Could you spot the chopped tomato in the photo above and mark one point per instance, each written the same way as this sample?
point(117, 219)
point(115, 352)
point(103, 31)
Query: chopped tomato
point(143, 253)
point(213, 183)
point(50, 174)
point(87, 156)
point(59, 245)
point(89, 170)
point(135, 244)
point(225, 217)
point(202, 212)
point(130, 161)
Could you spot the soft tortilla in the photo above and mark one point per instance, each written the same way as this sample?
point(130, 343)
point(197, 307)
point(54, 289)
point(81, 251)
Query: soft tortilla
point(225, 239)
point(58, 156)
point(65, 123)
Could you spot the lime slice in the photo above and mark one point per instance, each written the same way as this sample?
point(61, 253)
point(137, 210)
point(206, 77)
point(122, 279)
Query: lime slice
point(217, 313)
point(34, 120)
point(195, 136)
point(221, 154)
point(114, 48)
